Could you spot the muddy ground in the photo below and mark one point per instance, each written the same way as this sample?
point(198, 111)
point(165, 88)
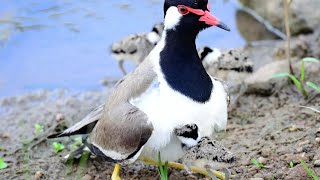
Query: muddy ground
point(274, 130)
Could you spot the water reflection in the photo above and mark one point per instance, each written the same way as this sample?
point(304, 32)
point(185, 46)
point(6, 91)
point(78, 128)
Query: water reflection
point(49, 44)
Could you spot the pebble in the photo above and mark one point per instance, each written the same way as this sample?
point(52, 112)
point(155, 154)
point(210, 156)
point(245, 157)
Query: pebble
point(304, 143)
point(266, 152)
point(262, 160)
point(256, 178)
point(87, 177)
point(297, 172)
point(317, 163)
point(38, 175)
point(317, 140)
point(60, 117)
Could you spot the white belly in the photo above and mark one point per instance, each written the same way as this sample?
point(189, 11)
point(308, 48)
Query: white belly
point(168, 109)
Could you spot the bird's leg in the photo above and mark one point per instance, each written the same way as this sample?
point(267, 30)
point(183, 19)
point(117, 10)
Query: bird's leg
point(242, 91)
point(213, 177)
point(116, 173)
point(227, 173)
point(218, 174)
point(120, 64)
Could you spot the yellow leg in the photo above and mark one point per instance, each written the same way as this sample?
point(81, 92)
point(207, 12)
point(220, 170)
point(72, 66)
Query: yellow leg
point(218, 174)
point(116, 173)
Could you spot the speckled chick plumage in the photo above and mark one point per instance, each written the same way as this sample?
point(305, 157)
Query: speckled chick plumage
point(208, 152)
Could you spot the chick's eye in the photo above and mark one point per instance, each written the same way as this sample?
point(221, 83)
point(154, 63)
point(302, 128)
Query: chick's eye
point(183, 10)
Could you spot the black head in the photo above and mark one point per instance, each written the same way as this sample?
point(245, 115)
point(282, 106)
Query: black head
point(191, 14)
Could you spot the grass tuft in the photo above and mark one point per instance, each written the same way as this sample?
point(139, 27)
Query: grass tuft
point(163, 169)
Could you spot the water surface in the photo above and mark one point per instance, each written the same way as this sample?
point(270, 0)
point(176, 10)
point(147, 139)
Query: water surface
point(53, 44)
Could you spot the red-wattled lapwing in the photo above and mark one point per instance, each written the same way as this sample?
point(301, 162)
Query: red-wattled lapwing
point(170, 88)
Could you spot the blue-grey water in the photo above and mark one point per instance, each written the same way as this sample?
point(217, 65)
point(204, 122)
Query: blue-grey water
point(54, 44)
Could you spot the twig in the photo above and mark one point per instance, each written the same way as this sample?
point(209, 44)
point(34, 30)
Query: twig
point(288, 32)
point(261, 20)
point(311, 108)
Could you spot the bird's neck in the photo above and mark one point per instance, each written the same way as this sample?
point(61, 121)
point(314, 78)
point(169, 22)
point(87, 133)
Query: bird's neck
point(182, 67)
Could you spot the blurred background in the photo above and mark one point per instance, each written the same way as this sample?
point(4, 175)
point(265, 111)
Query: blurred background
point(56, 44)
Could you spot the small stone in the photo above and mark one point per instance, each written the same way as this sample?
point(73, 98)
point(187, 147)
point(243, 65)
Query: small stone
point(297, 172)
point(293, 128)
point(256, 178)
point(5, 136)
point(258, 175)
point(299, 149)
point(317, 163)
point(38, 175)
point(87, 177)
point(262, 160)
point(304, 143)
point(317, 140)
point(266, 152)
point(59, 117)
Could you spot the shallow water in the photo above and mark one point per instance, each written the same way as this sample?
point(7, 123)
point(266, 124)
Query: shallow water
point(53, 44)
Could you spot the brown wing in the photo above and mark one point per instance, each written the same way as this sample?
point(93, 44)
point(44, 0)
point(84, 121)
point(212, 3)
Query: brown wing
point(123, 128)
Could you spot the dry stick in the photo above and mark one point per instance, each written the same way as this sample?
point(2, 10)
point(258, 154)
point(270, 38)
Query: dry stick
point(261, 20)
point(288, 32)
point(311, 108)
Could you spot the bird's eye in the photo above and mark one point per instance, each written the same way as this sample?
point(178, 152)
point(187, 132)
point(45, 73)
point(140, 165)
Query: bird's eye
point(183, 10)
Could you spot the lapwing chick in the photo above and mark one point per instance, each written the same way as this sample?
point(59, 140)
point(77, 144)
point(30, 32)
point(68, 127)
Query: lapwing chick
point(209, 154)
point(209, 56)
point(189, 135)
point(139, 117)
point(136, 47)
point(232, 66)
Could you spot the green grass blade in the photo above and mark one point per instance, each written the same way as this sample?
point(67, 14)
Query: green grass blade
point(311, 84)
point(3, 164)
point(160, 167)
point(310, 59)
point(302, 76)
point(280, 75)
point(314, 177)
point(166, 170)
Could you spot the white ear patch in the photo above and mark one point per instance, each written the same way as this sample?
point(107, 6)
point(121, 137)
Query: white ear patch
point(172, 18)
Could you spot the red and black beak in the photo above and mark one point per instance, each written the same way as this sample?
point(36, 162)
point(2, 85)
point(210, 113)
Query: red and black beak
point(205, 16)
point(211, 20)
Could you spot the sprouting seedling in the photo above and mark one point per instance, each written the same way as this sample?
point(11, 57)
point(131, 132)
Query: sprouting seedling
point(57, 147)
point(163, 169)
point(315, 87)
point(299, 82)
point(311, 174)
point(291, 164)
point(258, 164)
point(3, 164)
point(77, 142)
point(38, 128)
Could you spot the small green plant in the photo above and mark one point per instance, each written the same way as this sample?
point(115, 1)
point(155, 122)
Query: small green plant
point(77, 142)
point(258, 164)
point(291, 164)
point(57, 147)
point(3, 164)
point(311, 174)
point(315, 87)
point(299, 81)
point(163, 169)
point(38, 128)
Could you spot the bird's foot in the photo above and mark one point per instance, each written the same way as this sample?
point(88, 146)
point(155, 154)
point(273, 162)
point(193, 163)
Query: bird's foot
point(116, 173)
point(175, 165)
